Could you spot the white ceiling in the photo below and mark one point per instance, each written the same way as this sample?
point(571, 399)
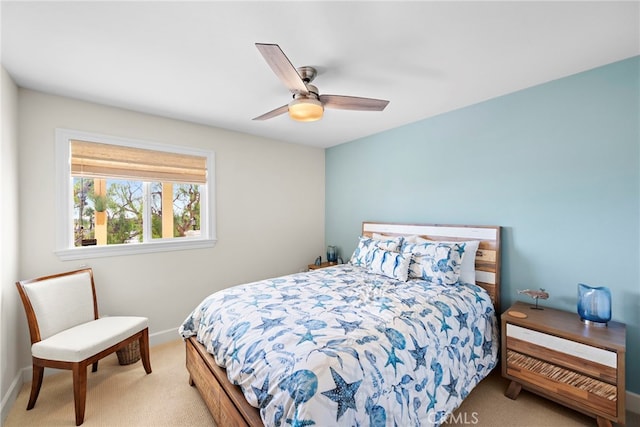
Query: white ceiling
point(197, 61)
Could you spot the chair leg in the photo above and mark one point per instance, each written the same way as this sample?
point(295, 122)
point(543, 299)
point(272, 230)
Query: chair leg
point(36, 383)
point(144, 350)
point(79, 390)
point(95, 367)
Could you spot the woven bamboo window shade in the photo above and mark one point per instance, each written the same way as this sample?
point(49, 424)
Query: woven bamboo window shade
point(97, 160)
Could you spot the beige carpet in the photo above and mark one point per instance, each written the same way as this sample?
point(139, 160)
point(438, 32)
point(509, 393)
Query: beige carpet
point(125, 396)
point(119, 396)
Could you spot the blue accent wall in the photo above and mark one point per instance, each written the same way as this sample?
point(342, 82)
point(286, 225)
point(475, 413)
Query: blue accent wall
point(556, 165)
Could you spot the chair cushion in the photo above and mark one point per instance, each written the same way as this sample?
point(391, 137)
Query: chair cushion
point(85, 340)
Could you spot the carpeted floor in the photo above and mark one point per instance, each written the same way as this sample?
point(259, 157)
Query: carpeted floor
point(125, 396)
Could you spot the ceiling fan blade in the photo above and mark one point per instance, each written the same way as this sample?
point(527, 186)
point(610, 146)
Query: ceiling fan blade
point(282, 67)
point(273, 113)
point(353, 103)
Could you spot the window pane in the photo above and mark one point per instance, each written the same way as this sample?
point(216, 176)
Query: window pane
point(124, 224)
point(83, 212)
point(113, 218)
point(178, 213)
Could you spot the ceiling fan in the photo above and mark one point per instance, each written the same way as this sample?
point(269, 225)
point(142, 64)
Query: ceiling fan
point(307, 104)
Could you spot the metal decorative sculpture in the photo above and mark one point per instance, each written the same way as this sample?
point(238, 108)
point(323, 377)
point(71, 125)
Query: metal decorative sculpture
point(536, 295)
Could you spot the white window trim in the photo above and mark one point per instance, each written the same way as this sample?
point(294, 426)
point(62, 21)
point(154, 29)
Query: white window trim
point(65, 248)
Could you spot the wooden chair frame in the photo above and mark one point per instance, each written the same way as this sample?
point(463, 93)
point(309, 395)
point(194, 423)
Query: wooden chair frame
point(79, 369)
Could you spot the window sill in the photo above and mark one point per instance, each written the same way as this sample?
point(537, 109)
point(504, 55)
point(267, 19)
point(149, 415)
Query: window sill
point(84, 252)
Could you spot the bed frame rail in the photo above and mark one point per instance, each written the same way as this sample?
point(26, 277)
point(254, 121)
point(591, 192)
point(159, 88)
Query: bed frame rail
point(225, 401)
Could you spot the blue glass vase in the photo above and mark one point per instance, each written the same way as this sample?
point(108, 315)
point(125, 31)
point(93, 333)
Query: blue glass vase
point(332, 254)
point(594, 304)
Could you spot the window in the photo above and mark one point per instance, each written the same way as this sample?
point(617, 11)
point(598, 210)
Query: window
point(119, 196)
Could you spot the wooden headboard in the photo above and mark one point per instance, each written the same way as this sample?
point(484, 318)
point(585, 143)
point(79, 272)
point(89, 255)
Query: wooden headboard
point(487, 257)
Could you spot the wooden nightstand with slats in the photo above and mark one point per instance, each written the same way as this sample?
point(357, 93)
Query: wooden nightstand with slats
point(552, 353)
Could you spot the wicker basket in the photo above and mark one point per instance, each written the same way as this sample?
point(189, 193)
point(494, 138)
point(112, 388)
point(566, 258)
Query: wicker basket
point(129, 354)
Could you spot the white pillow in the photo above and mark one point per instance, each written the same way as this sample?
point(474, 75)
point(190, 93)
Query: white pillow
point(416, 239)
point(389, 264)
point(468, 270)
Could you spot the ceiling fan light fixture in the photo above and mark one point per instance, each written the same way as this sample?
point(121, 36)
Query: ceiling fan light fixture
point(306, 110)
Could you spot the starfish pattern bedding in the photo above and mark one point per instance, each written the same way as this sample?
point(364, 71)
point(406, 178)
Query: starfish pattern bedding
point(344, 346)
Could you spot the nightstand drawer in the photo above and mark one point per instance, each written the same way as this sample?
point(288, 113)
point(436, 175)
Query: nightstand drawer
point(583, 366)
point(581, 390)
point(561, 345)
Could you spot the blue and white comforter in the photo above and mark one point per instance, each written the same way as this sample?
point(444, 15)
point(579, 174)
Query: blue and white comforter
point(346, 347)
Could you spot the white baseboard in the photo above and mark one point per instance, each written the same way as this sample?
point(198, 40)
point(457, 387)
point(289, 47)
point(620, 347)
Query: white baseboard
point(164, 336)
point(632, 402)
point(10, 397)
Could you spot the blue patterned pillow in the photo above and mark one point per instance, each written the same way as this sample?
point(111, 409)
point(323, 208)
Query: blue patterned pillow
point(391, 264)
point(435, 262)
point(365, 244)
point(388, 243)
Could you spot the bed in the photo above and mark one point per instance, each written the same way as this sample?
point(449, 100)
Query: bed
point(393, 337)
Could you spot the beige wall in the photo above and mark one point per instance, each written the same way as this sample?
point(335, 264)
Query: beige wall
point(270, 212)
point(10, 308)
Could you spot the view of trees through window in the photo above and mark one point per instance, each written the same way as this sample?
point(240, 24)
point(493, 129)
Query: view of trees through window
point(112, 211)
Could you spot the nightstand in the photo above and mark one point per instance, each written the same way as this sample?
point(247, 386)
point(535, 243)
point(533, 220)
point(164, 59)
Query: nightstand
point(323, 265)
point(552, 353)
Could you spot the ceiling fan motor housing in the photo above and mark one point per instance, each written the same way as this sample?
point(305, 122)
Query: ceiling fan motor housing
point(307, 74)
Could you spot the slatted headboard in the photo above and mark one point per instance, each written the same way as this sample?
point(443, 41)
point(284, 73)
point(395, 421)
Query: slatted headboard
point(487, 257)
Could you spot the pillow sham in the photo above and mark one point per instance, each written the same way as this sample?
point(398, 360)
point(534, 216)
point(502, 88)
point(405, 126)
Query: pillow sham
point(468, 268)
point(365, 244)
point(390, 243)
point(435, 262)
point(359, 256)
point(390, 264)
